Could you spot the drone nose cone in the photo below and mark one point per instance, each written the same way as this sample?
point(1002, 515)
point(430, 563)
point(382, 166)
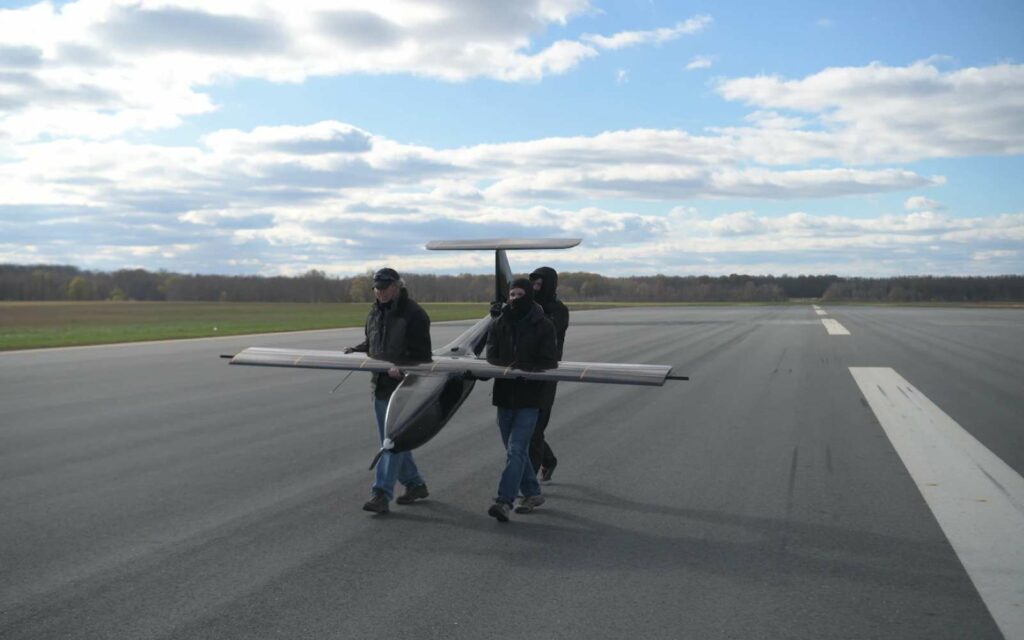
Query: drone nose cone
point(414, 412)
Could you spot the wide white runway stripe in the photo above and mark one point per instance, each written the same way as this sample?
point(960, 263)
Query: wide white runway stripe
point(821, 312)
point(977, 499)
point(834, 328)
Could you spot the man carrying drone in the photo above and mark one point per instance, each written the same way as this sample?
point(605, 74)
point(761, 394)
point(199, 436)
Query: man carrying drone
point(417, 392)
point(397, 330)
point(520, 335)
point(545, 283)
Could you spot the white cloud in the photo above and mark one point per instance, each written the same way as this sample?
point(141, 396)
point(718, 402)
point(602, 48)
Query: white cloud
point(330, 196)
point(239, 177)
point(700, 62)
point(985, 256)
point(622, 76)
point(879, 113)
point(921, 203)
point(321, 138)
point(625, 39)
point(825, 23)
point(775, 120)
point(98, 68)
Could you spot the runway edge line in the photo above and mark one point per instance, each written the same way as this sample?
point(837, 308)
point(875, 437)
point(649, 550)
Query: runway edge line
point(977, 499)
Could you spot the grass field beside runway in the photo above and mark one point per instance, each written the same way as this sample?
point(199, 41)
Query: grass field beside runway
point(31, 325)
point(34, 325)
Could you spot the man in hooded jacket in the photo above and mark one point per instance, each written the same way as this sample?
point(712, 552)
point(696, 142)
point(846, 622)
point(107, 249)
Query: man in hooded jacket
point(397, 329)
point(545, 283)
point(520, 336)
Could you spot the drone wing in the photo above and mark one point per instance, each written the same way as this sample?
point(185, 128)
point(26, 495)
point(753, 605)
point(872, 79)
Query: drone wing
point(605, 372)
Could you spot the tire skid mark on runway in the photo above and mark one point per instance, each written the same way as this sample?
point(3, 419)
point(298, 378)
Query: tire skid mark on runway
point(977, 499)
point(717, 349)
point(784, 534)
point(792, 482)
point(782, 356)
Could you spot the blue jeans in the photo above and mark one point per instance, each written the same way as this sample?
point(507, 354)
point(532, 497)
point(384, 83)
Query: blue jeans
point(519, 476)
point(393, 466)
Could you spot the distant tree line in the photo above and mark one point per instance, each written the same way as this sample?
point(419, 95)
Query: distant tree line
point(49, 282)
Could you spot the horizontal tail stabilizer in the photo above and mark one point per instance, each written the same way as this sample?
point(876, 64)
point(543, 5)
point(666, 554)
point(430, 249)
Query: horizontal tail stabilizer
point(504, 243)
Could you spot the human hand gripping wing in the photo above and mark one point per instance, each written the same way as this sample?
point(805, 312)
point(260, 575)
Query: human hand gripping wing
point(604, 372)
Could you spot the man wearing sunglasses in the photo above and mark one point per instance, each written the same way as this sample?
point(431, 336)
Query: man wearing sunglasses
point(397, 329)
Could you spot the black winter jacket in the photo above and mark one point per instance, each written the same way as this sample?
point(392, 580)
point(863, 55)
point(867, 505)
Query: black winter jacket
point(528, 343)
point(558, 313)
point(399, 332)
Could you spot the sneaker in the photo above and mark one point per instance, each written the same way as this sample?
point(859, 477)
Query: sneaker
point(412, 494)
point(499, 510)
point(378, 503)
point(545, 473)
point(529, 503)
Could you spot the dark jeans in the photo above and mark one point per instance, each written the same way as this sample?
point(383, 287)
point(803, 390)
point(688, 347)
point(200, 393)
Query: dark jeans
point(392, 466)
point(540, 453)
point(516, 426)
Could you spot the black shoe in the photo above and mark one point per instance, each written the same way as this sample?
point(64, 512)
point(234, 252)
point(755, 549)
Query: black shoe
point(412, 494)
point(545, 472)
point(499, 510)
point(377, 504)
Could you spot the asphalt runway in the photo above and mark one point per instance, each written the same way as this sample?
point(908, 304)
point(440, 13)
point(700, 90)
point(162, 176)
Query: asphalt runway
point(153, 491)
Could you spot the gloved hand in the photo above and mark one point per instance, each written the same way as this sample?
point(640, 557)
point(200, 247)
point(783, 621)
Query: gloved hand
point(348, 350)
point(496, 308)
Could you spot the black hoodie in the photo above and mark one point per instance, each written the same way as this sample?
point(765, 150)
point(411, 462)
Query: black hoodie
point(554, 309)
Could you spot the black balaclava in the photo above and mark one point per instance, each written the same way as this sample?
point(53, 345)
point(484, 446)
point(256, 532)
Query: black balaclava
point(521, 306)
point(549, 284)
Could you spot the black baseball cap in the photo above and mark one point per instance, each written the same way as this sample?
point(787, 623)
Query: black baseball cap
point(384, 277)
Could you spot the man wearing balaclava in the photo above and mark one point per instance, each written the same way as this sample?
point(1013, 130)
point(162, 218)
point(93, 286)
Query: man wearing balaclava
point(520, 336)
point(545, 282)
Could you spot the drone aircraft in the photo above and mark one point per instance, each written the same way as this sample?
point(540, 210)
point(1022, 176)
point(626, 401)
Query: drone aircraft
point(432, 391)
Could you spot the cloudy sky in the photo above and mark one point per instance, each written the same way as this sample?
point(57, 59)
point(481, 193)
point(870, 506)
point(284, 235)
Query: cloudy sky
point(271, 137)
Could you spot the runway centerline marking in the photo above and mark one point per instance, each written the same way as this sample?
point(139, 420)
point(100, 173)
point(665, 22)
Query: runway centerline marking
point(977, 499)
point(834, 328)
point(821, 312)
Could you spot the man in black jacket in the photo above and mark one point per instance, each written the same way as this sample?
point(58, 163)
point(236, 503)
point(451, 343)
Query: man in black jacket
point(397, 329)
point(520, 336)
point(545, 282)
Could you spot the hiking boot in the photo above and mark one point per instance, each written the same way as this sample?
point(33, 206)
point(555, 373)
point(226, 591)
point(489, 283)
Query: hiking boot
point(412, 494)
point(545, 473)
point(499, 510)
point(378, 503)
point(529, 503)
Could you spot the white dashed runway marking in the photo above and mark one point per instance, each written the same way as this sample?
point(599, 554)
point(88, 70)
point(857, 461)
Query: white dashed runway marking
point(977, 499)
point(834, 328)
